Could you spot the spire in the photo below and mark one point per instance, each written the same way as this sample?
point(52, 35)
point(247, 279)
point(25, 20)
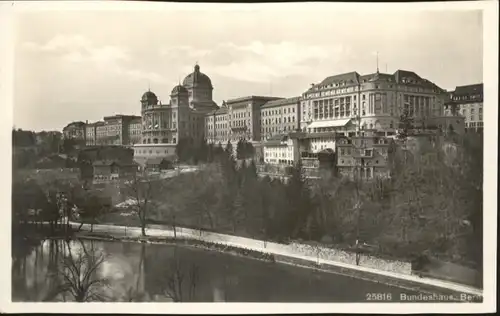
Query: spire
point(149, 86)
point(196, 67)
point(377, 61)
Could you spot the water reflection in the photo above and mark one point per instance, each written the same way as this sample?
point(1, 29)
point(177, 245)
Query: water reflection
point(132, 272)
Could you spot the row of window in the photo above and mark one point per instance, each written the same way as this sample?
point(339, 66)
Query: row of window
point(467, 97)
point(278, 111)
point(275, 129)
point(288, 119)
point(150, 151)
point(157, 141)
point(354, 89)
point(474, 124)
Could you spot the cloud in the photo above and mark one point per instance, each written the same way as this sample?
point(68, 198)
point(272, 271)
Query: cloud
point(79, 50)
point(258, 61)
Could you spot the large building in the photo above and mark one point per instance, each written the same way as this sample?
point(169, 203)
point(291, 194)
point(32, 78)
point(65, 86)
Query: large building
point(163, 125)
point(74, 130)
point(279, 116)
point(217, 125)
point(342, 109)
point(244, 116)
point(377, 99)
point(118, 130)
point(467, 101)
point(363, 156)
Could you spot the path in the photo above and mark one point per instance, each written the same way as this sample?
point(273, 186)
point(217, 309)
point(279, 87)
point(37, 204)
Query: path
point(268, 247)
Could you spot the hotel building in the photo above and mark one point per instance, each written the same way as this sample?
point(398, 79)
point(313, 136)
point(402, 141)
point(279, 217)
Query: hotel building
point(377, 99)
point(467, 101)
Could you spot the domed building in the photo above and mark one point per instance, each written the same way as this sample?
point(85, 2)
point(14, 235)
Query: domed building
point(163, 125)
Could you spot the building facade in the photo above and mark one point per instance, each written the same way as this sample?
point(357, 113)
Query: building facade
point(279, 116)
point(217, 125)
point(364, 156)
point(279, 150)
point(134, 130)
point(107, 171)
point(116, 130)
point(467, 101)
point(376, 99)
point(244, 116)
point(91, 136)
point(184, 116)
point(75, 130)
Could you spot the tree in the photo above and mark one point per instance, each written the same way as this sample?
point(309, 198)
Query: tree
point(90, 207)
point(229, 149)
point(240, 150)
point(142, 190)
point(405, 124)
point(300, 203)
point(249, 149)
point(76, 276)
point(210, 153)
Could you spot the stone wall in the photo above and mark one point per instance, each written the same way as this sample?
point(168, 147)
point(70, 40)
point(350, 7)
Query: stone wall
point(350, 258)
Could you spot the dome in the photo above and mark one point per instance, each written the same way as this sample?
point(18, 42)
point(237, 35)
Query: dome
point(197, 79)
point(179, 89)
point(148, 95)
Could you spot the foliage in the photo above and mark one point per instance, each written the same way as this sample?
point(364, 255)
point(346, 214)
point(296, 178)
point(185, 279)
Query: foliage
point(405, 124)
point(424, 207)
point(244, 149)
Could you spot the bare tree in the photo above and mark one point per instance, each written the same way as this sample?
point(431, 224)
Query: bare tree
point(181, 280)
point(76, 275)
point(142, 190)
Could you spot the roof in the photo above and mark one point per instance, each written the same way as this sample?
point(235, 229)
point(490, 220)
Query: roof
point(469, 90)
point(329, 123)
point(179, 89)
point(149, 95)
point(354, 78)
point(197, 78)
point(77, 124)
point(221, 110)
point(252, 97)
point(347, 78)
point(121, 116)
point(377, 76)
point(279, 102)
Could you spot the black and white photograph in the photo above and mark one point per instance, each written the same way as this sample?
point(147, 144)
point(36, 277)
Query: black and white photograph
point(305, 153)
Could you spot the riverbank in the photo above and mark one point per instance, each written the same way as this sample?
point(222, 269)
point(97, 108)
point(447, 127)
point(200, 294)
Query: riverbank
point(280, 252)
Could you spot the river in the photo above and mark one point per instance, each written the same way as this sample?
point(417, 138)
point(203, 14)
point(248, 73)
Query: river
point(157, 273)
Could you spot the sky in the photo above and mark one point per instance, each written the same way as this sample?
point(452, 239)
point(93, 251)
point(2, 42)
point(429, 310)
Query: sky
point(84, 65)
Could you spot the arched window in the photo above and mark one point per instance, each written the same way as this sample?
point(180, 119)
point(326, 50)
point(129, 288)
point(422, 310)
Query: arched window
point(164, 140)
point(155, 141)
point(149, 140)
